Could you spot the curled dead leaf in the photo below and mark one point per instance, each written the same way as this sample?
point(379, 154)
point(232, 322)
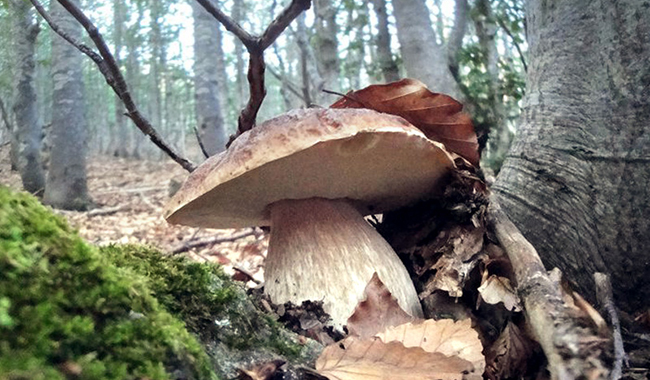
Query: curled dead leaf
point(437, 115)
point(445, 336)
point(378, 311)
point(356, 359)
point(499, 289)
point(509, 354)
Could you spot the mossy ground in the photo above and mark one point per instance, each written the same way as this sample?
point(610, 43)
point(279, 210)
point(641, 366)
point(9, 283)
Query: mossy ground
point(67, 308)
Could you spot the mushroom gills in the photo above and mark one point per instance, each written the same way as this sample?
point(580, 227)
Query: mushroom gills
point(324, 250)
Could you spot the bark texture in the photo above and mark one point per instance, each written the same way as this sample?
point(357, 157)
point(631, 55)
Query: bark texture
point(66, 186)
point(576, 180)
point(326, 46)
point(424, 58)
point(388, 66)
point(27, 134)
point(209, 116)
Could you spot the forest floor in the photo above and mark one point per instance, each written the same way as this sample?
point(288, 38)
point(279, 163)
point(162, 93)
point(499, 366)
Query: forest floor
point(129, 197)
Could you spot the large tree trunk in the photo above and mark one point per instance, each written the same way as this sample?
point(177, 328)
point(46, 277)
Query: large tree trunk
point(424, 59)
point(576, 181)
point(27, 131)
point(209, 117)
point(66, 181)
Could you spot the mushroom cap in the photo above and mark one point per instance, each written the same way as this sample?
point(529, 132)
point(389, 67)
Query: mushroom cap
point(377, 161)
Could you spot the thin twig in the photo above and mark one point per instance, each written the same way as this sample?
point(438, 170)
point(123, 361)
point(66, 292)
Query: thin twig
point(109, 68)
point(256, 46)
point(606, 299)
point(514, 42)
point(200, 141)
point(212, 240)
point(290, 86)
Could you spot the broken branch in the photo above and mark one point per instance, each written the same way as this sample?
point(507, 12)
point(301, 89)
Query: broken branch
point(566, 344)
point(107, 65)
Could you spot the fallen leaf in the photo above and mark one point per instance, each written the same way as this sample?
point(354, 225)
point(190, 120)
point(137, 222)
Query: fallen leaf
point(378, 311)
point(262, 371)
point(445, 336)
point(509, 354)
point(460, 247)
point(439, 116)
point(356, 359)
point(497, 289)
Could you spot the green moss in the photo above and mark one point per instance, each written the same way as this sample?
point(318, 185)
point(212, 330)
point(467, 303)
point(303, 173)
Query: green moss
point(64, 304)
point(212, 305)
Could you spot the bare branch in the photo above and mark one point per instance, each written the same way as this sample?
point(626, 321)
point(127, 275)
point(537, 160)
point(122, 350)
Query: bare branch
point(200, 141)
point(111, 72)
point(200, 243)
point(514, 41)
point(282, 22)
point(256, 46)
point(246, 38)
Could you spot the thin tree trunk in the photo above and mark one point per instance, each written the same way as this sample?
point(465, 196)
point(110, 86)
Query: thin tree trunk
point(207, 88)
point(388, 66)
point(27, 131)
point(424, 59)
point(576, 181)
point(461, 14)
point(240, 80)
point(66, 181)
point(326, 46)
point(119, 136)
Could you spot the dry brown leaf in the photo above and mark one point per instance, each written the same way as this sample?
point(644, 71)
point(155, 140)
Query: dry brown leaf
point(356, 359)
point(439, 116)
point(444, 336)
point(509, 354)
point(377, 312)
point(499, 289)
point(262, 371)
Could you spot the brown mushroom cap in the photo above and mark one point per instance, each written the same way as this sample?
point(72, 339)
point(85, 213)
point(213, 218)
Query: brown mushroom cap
point(378, 161)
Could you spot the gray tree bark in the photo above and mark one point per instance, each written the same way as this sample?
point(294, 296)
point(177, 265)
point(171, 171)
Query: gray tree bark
point(27, 131)
point(209, 117)
point(387, 64)
point(424, 59)
point(120, 136)
point(66, 186)
point(576, 181)
point(326, 46)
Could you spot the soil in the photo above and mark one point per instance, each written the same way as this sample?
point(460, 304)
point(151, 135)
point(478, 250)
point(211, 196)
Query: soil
point(129, 197)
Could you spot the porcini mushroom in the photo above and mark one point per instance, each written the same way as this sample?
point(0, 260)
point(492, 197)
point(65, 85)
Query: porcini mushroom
point(311, 175)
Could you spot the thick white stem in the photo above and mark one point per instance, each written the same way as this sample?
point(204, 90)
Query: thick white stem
point(323, 249)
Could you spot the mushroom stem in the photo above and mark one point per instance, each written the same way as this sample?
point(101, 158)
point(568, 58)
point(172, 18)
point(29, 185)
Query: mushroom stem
point(322, 249)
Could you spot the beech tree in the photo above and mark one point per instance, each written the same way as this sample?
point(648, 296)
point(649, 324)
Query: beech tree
point(576, 180)
point(27, 131)
point(66, 186)
point(207, 46)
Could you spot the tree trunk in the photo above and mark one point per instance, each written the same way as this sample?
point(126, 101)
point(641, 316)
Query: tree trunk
point(576, 181)
point(27, 131)
point(209, 117)
point(387, 64)
point(240, 79)
point(424, 59)
point(119, 137)
point(326, 46)
point(66, 181)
